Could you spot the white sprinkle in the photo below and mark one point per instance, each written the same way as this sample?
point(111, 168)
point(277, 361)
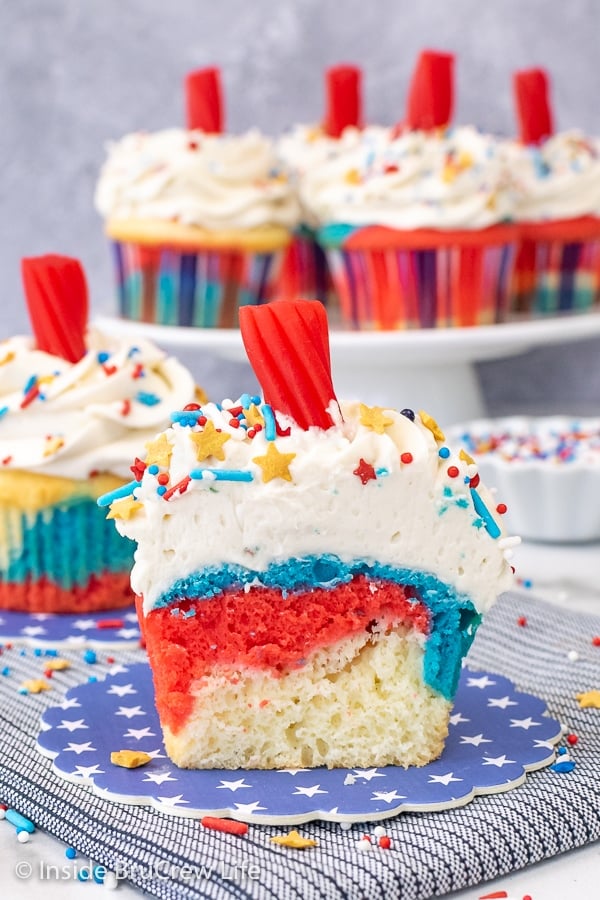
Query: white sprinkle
point(110, 881)
point(345, 826)
point(572, 655)
point(23, 836)
point(507, 542)
point(379, 831)
point(363, 845)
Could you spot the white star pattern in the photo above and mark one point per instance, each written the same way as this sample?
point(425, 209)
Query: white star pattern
point(130, 711)
point(33, 630)
point(41, 617)
point(523, 723)
point(443, 779)
point(79, 748)
point(501, 702)
point(482, 682)
point(350, 779)
point(548, 745)
point(72, 725)
point(159, 777)
point(128, 633)
point(139, 733)
point(475, 741)
point(173, 801)
point(70, 703)
point(234, 785)
point(155, 754)
point(121, 690)
point(387, 796)
point(498, 761)
point(85, 624)
point(309, 791)
point(88, 771)
point(367, 774)
point(291, 771)
point(457, 718)
point(248, 808)
point(118, 669)
point(131, 617)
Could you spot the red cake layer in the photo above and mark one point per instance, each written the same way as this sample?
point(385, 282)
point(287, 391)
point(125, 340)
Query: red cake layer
point(262, 630)
point(108, 591)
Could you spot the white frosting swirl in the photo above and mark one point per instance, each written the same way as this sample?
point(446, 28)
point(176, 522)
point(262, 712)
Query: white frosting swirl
point(560, 179)
point(94, 416)
point(413, 514)
point(453, 180)
point(211, 181)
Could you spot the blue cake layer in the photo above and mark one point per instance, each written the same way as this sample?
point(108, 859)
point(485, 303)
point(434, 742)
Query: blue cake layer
point(67, 547)
point(454, 619)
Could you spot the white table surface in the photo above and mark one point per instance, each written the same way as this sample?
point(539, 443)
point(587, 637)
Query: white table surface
point(568, 576)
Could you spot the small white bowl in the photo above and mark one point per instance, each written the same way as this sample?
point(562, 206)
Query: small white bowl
point(548, 497)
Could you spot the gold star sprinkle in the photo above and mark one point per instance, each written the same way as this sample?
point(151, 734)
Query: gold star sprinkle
point(274, 464)
point(129, 759)
point(253, 416)
point(352, 176)
point(8, 357)
point(466, 458)
point(35, 686)
point(58, 665)
point(159, 451)
point(53, 445)
point(209, 442)
point(374, 417)
point(124, 509)
point(430, 423)
point(295, 840)
point(589, 699)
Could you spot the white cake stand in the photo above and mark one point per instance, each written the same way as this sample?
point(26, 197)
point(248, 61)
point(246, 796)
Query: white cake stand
point(431, 369)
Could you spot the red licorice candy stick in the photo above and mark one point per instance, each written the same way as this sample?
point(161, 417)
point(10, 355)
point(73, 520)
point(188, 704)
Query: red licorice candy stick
point(431, 92)
point(532, 100)
point(287, 343)
point(229, 826)
point(204, 100)
point(57, 299)
point(343, 86)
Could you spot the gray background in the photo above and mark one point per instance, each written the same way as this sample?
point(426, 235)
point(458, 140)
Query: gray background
point(74, 73)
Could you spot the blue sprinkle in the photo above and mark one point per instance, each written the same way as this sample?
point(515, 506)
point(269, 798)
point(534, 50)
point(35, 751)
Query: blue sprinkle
point(381, 472)
point(221, 475)
point(70, 852)
point(189, 613)
point(147, 399)
point(103, 356)
point(161, 489)
point(566, 765)
point(51, 653)
point(132, 352)
point(23, 691)
point(245, 401)
point(527, 583)
point(6, 670)
point(481, 509)
point(3, 411)
point(466, 479)
point(30, 383)
point(186, 418)
point(270, 426)
point(99, 872)
point(125, 491)
point(255, 400)
point(37, 651)
point(92, 679)
point(562, 751)
point(89, 656)
point(175, 611)
point(444, 452)
point(23, 653)
point(153, 469)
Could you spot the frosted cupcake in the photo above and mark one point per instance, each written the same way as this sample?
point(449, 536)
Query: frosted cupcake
point(75, 409)
point(198, 220)
point(414, 219)
point(310, 573)
point(557, 179)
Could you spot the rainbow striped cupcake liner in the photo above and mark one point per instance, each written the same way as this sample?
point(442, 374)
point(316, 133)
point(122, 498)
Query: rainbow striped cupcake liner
point(555, 276)
point(440, 287)
point(62, 547)
point(305, 272)
point(204, 288)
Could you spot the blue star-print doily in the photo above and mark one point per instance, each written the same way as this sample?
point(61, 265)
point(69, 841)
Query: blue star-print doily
point(497, 735)
point(110, 628)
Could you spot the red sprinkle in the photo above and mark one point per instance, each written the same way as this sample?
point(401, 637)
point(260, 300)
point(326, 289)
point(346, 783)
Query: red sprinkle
point(258, 427)
point(6, 460)
point(110, 623)
point(202, 420)
point(235, 410)
point(474, 481)
point(522, 621)
point(126, 407)
point(497, 895)
point(192, 407)
point(229, 826)
point(138, 370)
point(390, 168)
point(192, 145)
point(234, 423)
point(110, 660)
point(501, 509)
point(163, 478)
point(385, 842)
point(365, 471)
point(366, 837)
point(48, 673)
point(452, 471)
point(30, 396)
point(138, 468)
point(572, 739)
point(406, 458)
point(596, 641)
point(181, 486)
point(109, 370)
